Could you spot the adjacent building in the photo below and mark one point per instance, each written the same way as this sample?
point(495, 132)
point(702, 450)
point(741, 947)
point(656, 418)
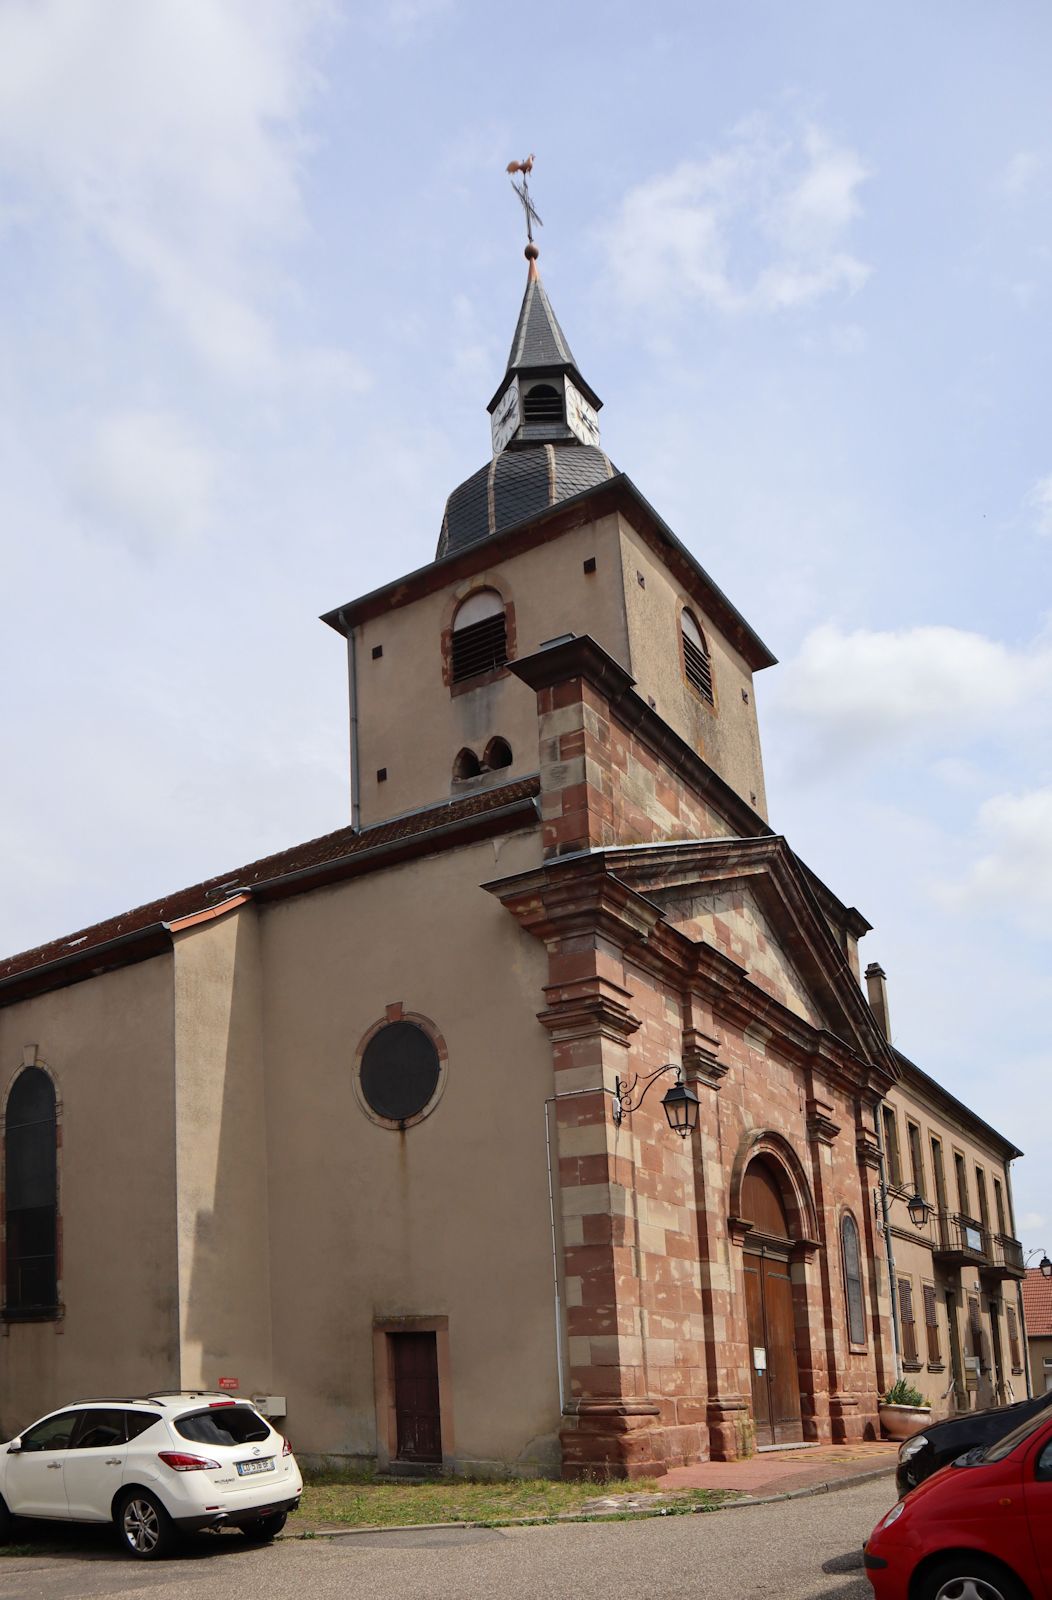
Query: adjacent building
point(1037, 1304)
point(374, 1128)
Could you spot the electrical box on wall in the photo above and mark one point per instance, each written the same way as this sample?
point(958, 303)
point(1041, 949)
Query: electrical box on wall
point(270, 1405)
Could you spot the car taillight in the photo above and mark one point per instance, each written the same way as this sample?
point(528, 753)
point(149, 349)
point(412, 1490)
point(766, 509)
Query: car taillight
point(184, 1463)
point(286, 1448)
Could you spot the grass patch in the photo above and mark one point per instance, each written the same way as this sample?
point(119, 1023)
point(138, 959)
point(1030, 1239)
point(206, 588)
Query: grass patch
point(355, 1498)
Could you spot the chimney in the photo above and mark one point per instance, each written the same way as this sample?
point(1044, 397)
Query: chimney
point(877, 994)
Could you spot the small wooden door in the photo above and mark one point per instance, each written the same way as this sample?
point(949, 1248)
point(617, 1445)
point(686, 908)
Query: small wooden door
point(772, 1352)
point(417, 1414)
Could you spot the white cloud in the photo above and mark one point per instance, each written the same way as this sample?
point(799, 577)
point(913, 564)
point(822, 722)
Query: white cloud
point(1039, 501)
point(862, 687)
point(1022, 172)
point(1014, 872)
point(758, 226)
point(146, 481)
point(170, 133)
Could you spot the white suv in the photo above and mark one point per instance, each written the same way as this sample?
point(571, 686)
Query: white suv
point(154, 1467)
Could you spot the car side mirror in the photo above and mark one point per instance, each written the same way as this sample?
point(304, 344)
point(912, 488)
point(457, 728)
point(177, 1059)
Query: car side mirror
point(15, 1447)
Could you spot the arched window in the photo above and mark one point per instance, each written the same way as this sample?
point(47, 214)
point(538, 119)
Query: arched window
point(696, 658)
point(856, 1306)
point(480, 635)
point(543, 403)
point(466, 765)
point(31, 1196)
point(498, 754)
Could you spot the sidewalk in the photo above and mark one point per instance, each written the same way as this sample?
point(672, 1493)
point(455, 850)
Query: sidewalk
point(783, 1471)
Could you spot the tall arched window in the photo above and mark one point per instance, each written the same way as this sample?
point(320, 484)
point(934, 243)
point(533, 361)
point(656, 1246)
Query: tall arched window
point(696, 661)
point(31, 1196)
point(480, 635)
point(856, 1308)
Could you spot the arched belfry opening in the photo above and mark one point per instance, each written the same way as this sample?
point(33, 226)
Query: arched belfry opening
point(775, 1215)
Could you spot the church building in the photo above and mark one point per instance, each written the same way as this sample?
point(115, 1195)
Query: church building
point(539, 1119)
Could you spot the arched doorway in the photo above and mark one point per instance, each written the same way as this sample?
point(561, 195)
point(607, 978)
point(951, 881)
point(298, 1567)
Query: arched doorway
point(770, 1309)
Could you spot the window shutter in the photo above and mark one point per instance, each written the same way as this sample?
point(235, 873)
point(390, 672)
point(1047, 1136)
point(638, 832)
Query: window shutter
point(480, 647)
point(931, 1324)
point(696, 660)
point(909, 1326)
point(1013, 1336)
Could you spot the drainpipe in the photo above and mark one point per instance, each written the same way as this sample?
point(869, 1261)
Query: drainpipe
point(877, 995)
point(352, 684)
point(888, 1246)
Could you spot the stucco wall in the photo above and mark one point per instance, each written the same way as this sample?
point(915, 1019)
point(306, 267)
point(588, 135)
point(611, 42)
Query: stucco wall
point(221, 1134)
point(409, 722)
point(108, 1045)
point(915, 1261)
point(1040, 1374)
point(449, 1218)
point(725, 734)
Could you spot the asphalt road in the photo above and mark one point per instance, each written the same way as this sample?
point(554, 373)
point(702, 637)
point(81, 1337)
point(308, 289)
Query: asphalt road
point(808, 1549)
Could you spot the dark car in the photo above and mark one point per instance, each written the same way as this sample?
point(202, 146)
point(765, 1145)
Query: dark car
point(943, 1442)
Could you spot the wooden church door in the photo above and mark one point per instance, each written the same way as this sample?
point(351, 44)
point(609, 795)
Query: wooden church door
point(417, 1411)
point(770, 1310)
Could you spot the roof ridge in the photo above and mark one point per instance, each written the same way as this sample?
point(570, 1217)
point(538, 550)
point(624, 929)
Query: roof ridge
point(182, 902)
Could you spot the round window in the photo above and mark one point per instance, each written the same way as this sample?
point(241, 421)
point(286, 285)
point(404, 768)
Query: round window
point(400, 1072)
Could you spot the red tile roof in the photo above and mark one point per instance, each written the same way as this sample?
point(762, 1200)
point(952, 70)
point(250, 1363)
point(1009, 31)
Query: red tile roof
point(309, 860)
point(1037, 1304)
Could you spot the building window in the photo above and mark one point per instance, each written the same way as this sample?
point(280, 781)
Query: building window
point(975, 1330)
point(931, 1326)
point(401, 1070)
point(497, 755)
point(891, 1147)
point(909, 1324)
point(856, 1309)
point(31, 1197)
point(962, 1183)
point(984, 1207)
point(916, 1159)
point(480, 635)
point(467, 765)
point(999, 1203)
point(696, 663)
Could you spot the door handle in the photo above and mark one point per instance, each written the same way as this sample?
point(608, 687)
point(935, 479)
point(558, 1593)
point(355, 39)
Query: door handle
point(54, 1466)
point(114, 1461)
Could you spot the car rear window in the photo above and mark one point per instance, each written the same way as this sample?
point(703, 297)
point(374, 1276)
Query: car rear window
point(223, 1425)
point(139, 1421)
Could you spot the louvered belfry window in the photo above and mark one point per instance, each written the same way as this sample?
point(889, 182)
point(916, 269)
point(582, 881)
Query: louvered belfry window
point(480, 635)
point(856, 1309)
point(696, 658)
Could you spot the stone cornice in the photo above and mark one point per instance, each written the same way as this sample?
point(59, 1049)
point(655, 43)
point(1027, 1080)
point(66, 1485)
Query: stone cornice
point(573, 895)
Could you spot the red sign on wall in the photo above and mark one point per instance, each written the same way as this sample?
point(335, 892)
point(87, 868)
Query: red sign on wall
point(229, 1383)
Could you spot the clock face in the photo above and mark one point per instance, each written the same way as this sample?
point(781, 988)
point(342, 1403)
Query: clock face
point(581, 416)
point(506, 417)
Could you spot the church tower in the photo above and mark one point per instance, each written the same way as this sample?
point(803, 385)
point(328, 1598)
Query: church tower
point(547, 542)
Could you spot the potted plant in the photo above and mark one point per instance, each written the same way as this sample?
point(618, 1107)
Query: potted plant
point(903, 1410)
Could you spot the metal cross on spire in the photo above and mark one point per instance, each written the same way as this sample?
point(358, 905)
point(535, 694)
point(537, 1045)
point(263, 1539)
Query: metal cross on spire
point(522, 190)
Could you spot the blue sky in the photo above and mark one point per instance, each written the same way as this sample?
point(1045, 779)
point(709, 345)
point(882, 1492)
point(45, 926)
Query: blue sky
point(260, 269)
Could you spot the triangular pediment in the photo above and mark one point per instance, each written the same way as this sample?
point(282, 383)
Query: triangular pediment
point(749, 899)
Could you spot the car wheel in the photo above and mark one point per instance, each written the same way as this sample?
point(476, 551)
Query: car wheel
point(264, 1528)
point(967, 1577)
point(146, 1530)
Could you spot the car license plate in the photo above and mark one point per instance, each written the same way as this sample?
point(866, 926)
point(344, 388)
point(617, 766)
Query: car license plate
point(247, 1468)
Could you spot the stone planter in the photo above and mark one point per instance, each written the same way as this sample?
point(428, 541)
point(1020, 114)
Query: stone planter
point(902, 1422)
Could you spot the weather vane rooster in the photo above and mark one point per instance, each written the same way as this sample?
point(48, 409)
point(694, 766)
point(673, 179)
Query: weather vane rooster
point(522, 190)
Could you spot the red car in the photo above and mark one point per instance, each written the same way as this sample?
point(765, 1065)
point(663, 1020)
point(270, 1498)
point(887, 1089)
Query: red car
point(981, 1529)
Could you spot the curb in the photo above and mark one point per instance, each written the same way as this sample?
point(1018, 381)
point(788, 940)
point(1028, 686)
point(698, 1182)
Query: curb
point(815, 1488)
point(829, 1487)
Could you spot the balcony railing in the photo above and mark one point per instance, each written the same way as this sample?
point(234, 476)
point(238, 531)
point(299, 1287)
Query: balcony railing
point(960, 1239)
point(1004, 1257)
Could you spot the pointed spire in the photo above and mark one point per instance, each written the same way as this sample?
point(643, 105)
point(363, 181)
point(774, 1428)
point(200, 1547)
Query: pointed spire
point(539, 341)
